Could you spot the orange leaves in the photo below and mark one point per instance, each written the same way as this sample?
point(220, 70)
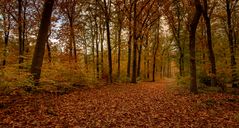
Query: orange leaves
point(157, 104)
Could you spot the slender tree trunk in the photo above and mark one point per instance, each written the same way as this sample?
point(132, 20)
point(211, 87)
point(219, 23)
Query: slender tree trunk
point(93, 47)
point(70, 49)
point(72, 39)
point(6, 25)
point(49, 47)
point(145, 65)
point(135, 45)
point(41, 40)
point(231, 44)
point(74, 45)
point(154, 61)
point(145, 56)
point(24, 27)
point(119, 49)
point(97, 50)
point(102, 30)
point(129, 42)
point(49, 52)
point(109, 51)
point(192, 46)
point(209, 43)
point(139, 60)
point(107, 22)
point(169, 66)
point(178, 38)
point(85, 54)
point(155, 49)
point(20, 34)
point(6, 38)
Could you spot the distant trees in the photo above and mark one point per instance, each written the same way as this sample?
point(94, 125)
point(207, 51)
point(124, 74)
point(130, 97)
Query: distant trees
point(175, 17)
point(125, 40)
point(5, 11)
point(68, 8)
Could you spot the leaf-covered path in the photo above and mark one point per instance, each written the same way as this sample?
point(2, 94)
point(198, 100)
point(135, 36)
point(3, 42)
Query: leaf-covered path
point(147, 104)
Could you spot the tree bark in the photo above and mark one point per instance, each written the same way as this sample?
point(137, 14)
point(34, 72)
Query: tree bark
point(102, 33)
point(139, 60)
point(119, 49)
point(177, 36)
point(154, 60)
point(41, 41)
point(231, 44)
point(192, 46)
point(209, 43)
point(155, 49)
point(135, 45)
point(129, 42)
point(20, 34)
point(6, 29)
point(97, 50)
point(49, 47)
point(49, 52)
point(107, 22)
point(145, 56)
point(85, 54)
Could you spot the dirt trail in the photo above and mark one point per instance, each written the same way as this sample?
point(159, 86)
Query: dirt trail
point(147, 104)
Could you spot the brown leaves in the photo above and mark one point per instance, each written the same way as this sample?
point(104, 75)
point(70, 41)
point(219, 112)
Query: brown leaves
point(143, 105)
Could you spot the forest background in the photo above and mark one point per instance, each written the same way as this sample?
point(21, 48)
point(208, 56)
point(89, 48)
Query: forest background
point(96, 41)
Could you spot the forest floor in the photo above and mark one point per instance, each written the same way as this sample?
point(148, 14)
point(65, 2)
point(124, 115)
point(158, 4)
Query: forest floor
point(147, 104)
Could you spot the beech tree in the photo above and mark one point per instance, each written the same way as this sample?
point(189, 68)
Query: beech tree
point(207, 19)
point(229, 6)
point(192, 31)
point(41, 40)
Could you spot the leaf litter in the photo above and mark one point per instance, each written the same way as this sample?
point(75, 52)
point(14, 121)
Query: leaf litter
point(146, 104)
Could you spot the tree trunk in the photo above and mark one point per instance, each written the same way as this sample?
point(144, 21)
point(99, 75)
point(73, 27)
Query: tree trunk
point(145, 56)
point(41, 40)
point(231, 44)
point(49, 51)
point(154, 60)
point(93, 47)
point(74, 45)
point(192, 47)
point(135, 45)
point(49, 47)
point(209, 43)
point(107, 22)
point(155, 49)
point(20, 34)
point(178, 38)
point(97, 50)
point(139, 60)
point(6, 38)
point(6, 25)
point(102, 30)
point(119, 50)
point(85, 53)
point(129, 42)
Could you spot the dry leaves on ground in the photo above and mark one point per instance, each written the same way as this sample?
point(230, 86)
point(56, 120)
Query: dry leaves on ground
point(143, 105)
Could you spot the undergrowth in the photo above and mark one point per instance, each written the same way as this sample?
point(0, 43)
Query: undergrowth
point(55, 78)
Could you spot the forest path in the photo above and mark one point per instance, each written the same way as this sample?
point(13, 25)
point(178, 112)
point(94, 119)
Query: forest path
point(147, 104)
